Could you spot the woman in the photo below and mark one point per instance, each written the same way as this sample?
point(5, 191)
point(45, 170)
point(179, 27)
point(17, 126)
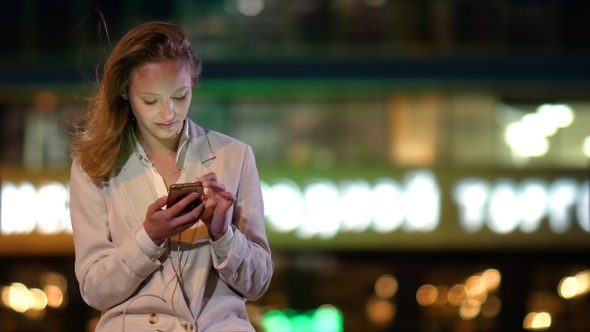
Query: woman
point(145, 266)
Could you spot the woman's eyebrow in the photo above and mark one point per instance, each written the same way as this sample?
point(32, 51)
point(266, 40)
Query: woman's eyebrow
point(157, 94)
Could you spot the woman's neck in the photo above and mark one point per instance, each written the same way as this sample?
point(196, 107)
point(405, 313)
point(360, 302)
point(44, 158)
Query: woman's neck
point(162, 155)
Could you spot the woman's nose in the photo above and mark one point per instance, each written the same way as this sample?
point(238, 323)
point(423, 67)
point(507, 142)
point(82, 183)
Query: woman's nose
point(168, 110)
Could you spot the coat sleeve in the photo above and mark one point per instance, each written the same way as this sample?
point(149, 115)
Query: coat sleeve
point(107, 274)
point(242, 257)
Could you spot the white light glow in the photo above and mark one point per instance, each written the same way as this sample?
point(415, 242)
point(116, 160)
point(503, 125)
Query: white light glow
point(560, 115)
point(19, 210)
point(389, 202)
point(562, 198)
point(26, 209)
point(355, 205)
point(532, 201)
point(503, 210)
point(583, 206)
point(423, 201)
point(538, 125)
point(524, 142)
point(528, 137)
point(471, 195)
point(51, 207)
point(321, 211)
point(250, 7)
point(284, 205)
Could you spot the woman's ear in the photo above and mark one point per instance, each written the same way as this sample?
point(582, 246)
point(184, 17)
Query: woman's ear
point(124, 95)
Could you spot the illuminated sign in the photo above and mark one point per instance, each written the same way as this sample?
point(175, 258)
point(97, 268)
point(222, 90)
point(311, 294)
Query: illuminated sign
point(505, 206)
point(325, 208)
point(26, 209)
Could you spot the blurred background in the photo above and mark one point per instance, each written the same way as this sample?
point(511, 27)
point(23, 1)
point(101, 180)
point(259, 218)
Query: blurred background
point(425, 163)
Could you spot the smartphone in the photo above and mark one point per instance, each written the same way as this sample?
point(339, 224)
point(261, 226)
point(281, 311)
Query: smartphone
point(178, 191)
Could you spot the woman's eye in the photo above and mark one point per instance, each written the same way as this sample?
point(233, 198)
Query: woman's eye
point(149, 102)
point(179, 97)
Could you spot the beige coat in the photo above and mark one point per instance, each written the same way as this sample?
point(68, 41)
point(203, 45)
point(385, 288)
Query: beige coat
point(123, 274)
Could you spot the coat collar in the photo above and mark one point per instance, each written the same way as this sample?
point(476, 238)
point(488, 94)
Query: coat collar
point(198, 143)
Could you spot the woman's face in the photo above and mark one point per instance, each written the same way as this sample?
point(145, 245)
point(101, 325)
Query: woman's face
point(160, 94)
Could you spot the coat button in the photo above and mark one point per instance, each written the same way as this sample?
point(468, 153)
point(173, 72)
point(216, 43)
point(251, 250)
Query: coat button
point(153, 319)
point(188, 326)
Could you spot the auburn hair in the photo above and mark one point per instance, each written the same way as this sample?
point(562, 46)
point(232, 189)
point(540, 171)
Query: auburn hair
point(97, 140)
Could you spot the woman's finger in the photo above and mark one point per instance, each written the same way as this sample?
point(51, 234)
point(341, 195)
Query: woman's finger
point(227, 196)
point(208, 177)
point(157, 205)
point(186, 220)
point(214, 186)
point(177, 208)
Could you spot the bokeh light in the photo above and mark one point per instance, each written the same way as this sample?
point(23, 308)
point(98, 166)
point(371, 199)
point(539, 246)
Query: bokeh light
point(380, 311)
point(537, 321)
point(32, 302)
point(456, 295)
point(427, 295)
point(469, 309)
point(528, 137)
point(386, 286)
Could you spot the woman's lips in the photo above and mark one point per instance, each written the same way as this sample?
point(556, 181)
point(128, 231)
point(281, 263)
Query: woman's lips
point(166, 125)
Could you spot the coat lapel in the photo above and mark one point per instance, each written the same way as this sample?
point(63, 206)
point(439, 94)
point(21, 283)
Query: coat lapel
point(138, 190)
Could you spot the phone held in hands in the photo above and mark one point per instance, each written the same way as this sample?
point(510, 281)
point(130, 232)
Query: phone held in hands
point(178, 191)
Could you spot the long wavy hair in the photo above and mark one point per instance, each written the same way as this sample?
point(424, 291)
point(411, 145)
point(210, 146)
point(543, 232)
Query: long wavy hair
point(97, 140)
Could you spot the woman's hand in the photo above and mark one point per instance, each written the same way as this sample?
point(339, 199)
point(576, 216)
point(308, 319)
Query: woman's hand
point(161, 224)
point(218, 202)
